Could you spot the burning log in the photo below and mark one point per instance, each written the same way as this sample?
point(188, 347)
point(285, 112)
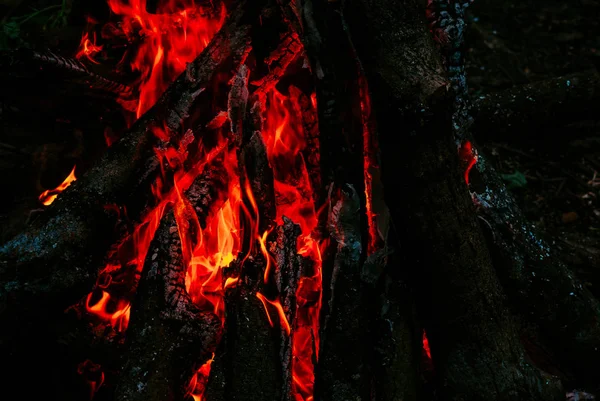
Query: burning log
point(169, 338)
point(247, 364)
point(341, 375)
point(290, 267)
point(534, 109)
point(458, 297)
point(58, 256)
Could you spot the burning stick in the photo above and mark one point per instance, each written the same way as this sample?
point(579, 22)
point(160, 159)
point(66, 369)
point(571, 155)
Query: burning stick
point(68, 243)
point(169, 338)
point(341, 374)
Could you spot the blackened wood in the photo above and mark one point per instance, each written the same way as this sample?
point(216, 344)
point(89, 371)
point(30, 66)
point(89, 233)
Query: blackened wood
point(58, 256)
point(289, 268)
point(397, 337)
point(247, 364)
point(307, 113)
point(237, 103)
point(208, 190)
point(341, 374)
point(289, 48)
point(474, 343)
point(168, 338)
point(535, 110)
point(256, 169)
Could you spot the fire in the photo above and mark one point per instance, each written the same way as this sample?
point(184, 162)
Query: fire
point(88, 48)
point(285, 141)
point(170, 39)
point(48, 196)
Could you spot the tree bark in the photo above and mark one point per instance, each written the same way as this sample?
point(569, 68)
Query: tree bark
point(169, 338)
point(474, 342)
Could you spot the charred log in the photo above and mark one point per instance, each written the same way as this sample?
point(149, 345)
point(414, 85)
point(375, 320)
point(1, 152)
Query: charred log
point(342, 375)
point(247, 365)
point(58, 256)
point(169, 338)
point(289, 268)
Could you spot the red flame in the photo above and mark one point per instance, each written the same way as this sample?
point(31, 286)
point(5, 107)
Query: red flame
point(88, 48)
point(284, 137)
point(92, 374)
point(48, 196)
point(468, 157)
point(426, 345)
point(170, 39)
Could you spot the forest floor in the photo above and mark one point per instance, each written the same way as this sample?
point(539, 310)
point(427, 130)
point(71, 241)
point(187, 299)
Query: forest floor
point(555, 180)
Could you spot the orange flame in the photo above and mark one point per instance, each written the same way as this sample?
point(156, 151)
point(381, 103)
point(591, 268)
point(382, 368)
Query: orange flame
point(468, 156)
point(48, 196)
point(88, 48)
point(426, 345)
point(282, 319)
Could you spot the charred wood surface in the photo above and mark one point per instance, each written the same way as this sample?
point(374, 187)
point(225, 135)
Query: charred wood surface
point(259, 174)
point(459, 296)
point(289, 268)
point(534, 110)
point(169, 338)
point(58, 255)
point(341, 375)
point(247, 364)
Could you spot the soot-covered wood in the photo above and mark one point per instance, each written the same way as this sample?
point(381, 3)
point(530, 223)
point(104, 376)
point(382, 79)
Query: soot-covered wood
point(168, 338)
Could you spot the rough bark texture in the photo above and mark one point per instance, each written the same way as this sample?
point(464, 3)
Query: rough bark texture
point(341, 375)
point(541, 289)
point(289, 269)
point(534, 110)
point(474, 343)
point(169, 338)
point(59, 255)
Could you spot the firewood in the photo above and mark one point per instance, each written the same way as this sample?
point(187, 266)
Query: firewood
point(259, 175)
point(342, 375)
point(168, 338)
point(58, 256)
point(289, 268)
point(458, 295)
point(533, 110)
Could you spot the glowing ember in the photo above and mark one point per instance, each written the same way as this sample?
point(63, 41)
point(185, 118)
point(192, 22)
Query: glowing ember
point(426, 345)
point(88, 48)
point(468, 157)
point(369, 162)
point(48, 196)
point(92, 374)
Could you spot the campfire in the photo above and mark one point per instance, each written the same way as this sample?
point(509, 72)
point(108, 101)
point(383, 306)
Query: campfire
point(234, 241)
